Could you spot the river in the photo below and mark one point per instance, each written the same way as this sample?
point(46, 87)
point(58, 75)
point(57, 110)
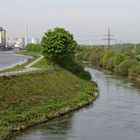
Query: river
point(9, 59)
point(115, 115)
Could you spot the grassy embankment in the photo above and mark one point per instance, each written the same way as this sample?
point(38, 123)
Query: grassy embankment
point(123, 60)
point(42, 64)
point(29, 99)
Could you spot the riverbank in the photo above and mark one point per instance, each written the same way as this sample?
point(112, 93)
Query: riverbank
point(134, 79)
point(30, 99)
point(123, 62)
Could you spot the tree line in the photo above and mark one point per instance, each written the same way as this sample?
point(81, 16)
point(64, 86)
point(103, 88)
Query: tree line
point(122, 60)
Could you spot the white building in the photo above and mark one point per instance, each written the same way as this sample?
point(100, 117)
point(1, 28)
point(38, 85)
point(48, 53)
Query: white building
point(19, 42)
point(35, 41)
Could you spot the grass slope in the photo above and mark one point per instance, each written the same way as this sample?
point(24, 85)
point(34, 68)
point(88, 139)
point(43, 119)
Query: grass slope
point(41, 64)
point(29, 99)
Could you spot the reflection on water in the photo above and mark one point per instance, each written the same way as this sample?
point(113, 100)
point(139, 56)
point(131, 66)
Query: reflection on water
point(9, 59)
point(58, 127)
point(114, 116)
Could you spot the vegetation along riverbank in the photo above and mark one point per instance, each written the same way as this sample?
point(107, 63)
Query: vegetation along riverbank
point(63, 86)
point(29, 99)
point(121, 60)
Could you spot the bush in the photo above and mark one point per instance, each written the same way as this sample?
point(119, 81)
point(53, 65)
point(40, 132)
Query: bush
point(95, 56)
point(135, 71)
point(124, 60)
point(125, 66)
point(119, 57)
point(71, 65)
point(108, 59)
point(33, 47)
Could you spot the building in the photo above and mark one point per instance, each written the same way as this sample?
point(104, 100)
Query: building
point(35, 41)
point(2, 38)
point(19, 42)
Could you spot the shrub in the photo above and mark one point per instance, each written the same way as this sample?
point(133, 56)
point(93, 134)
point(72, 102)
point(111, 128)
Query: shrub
point(119, 57)
point(124, 67)
point(33, 47)
point(71, 65)
point(108, 59)
point(134, 71)
point(96, 55)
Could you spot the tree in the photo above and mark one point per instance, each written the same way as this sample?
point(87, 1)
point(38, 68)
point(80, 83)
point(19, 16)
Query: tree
point(58, 43)
point(107, 59)
point(126, 65)
point(33, 47)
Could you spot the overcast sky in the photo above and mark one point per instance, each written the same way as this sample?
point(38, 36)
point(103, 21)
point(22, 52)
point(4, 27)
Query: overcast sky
point(86, 19)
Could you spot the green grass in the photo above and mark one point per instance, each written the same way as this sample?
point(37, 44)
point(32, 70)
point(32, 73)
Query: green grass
point(41, 64)
point(32, 98)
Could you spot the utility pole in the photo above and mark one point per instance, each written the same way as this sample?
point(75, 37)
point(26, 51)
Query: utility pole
point(109, 37)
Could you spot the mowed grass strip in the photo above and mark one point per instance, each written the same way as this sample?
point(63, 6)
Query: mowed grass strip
point(28, 99)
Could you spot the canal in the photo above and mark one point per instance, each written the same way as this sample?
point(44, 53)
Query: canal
point(114, 116)
point(9, 59)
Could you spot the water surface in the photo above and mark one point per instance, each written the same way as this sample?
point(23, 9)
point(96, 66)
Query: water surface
point(114, 116)
point(8, 59)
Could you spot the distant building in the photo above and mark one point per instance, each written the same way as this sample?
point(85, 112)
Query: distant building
point(38, 41)
point(3, 43)
point(19, 42)
point(35, 41)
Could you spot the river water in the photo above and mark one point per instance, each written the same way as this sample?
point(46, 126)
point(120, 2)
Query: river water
point(8, 59)
point(114, 116)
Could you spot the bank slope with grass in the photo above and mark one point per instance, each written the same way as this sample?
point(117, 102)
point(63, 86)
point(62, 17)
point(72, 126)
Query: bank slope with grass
point(29, 99)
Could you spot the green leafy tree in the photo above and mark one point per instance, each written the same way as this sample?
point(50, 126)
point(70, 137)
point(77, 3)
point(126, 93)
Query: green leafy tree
point(107, 59)
point(33, 47)
point(134, 71)
point(58, 43)
point(126, 65)
point(119, 57)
